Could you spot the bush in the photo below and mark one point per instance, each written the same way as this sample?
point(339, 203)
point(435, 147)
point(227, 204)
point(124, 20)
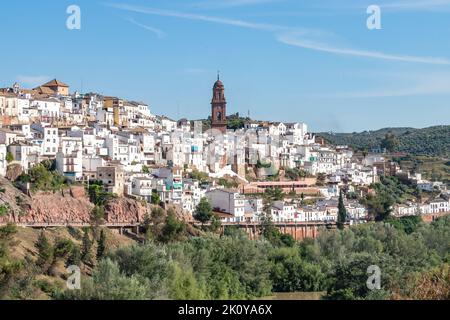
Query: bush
point(43, 178)
point(3, 210)
point(97, 195)
point(9, 157)
point(108, 283)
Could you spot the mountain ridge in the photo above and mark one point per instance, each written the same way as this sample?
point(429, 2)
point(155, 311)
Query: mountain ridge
point(430, 141)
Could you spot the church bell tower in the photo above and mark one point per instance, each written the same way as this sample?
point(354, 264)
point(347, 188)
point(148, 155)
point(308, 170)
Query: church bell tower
point(219, 107)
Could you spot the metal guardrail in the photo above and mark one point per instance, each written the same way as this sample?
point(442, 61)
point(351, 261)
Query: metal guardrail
point(72, 224)
point(129, 225)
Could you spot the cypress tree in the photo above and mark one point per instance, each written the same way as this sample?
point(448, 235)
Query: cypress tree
point(342, 213)
point(101, 246)
point(86, 251)
point(45, 252)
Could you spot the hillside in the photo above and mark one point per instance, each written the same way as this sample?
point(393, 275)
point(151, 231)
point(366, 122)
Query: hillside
point(432, 141)
point(68, 205)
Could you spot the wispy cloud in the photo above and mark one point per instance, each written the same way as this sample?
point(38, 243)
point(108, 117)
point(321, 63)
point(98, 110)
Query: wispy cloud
point(293, 40)
point(401, 5)
point(230, 3)
point(32, 81)
point(417, 4)
point(418, 85)
point(298, 37)
point(159, 33)
point(197, 17)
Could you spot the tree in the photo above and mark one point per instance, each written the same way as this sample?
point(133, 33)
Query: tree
point(216, 224)
point(432, 284)
point(97, 218)
point(108, 283)
point(101, 245)
point(290, 273)
point(203, 212)
point(274, 194)
point(74, 258)
point(263, 165)
point(151, 261)
point(86, 248)
point(155, 199)
point(302, 197)
point(292, 174)
point(296, 174)
point(97, 195)
point(379, 206)
point(390, 142)
point(43, 177)
point(45, 252)
point(408, 224)
point(272, 234)
point(9, 157)
point(184, 285)
point(9, 266)
point(342, 213)
point(155, 223)
point(321, 179)
point(64, 248)
point(173, 229)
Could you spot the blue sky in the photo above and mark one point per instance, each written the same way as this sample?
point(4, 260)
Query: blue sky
point(289, 60)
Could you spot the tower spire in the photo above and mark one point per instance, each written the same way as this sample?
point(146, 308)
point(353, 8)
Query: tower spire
point(219, 107)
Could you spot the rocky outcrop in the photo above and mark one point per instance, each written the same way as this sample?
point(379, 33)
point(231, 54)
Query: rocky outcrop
point(59, 208)
point(179, 213)
point(13, 202)
point(127, 210)
point(68, 206)
point(13, 171)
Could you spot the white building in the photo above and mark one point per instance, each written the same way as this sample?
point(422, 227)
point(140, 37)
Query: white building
point(142, 187)
point(228, 202)
point(69, 159)
point(47, 107)
point(282, 212)
point(3, 162)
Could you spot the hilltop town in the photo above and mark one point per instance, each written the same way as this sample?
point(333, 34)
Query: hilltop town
point(120, 148)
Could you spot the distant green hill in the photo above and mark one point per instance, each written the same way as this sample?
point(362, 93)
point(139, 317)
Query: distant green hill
point(432, 141)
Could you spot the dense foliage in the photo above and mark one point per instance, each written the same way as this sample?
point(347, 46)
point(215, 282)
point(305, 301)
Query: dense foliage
point(233, 267)
point(413, 258)
point(204, 211)
point(97, 194)
point(434, 141)
point(388, 191)
point(296, 174)
point(44, 177)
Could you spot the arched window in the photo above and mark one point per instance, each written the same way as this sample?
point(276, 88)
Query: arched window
point(219, 115)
